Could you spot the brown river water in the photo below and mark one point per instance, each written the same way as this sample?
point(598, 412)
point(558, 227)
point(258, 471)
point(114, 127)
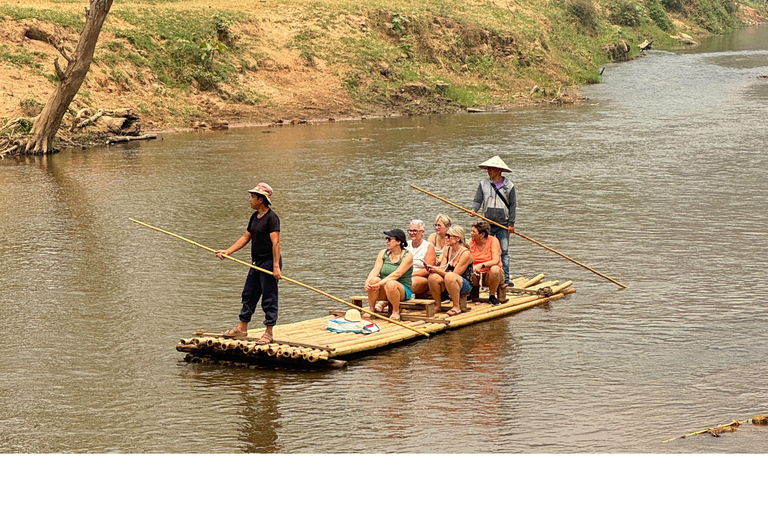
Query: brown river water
point(659, 181)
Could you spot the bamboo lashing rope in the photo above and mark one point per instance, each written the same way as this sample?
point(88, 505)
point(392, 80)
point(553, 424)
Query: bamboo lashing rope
point(520, 235)
point(308, 287)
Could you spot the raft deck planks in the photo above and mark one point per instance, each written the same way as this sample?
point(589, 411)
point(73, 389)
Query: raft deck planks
point(309, 343)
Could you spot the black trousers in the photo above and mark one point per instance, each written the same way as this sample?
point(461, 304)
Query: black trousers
point(259, 285)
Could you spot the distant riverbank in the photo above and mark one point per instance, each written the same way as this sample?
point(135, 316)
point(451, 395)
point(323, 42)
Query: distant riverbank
point(186, 64)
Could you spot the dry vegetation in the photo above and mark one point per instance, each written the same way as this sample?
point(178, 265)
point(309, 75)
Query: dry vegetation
point(182, 62)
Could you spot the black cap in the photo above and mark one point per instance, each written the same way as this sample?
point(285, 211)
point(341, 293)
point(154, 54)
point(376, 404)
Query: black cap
point(396, 233)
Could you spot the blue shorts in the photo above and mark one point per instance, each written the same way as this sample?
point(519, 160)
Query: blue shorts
point(466, 286)
point(408, 292)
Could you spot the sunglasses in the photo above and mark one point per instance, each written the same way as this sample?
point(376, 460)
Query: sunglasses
point(388, 238)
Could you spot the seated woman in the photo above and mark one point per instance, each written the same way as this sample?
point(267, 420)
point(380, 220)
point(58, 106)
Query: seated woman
point(438, 238)
point(486, 259)
point(453, 272)
point(423, 253)
point(390, 278)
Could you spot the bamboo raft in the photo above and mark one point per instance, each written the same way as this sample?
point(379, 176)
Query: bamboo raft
point(309, 344)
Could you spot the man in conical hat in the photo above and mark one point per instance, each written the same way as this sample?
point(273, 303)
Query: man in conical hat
point(496, 200)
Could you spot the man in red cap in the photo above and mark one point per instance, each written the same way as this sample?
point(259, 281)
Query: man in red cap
point(264, 232)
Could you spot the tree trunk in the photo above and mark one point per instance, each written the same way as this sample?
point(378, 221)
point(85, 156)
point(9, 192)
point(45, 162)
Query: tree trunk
point(70, 80)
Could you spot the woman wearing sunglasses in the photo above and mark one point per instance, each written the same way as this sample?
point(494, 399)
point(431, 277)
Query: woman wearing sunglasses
point(390, 278)
point(453, 272)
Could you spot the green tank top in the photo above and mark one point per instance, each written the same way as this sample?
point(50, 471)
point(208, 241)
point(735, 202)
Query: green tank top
point(390, 266)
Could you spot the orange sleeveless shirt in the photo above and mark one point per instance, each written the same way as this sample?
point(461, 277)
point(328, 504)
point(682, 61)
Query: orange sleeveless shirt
point(481, 256)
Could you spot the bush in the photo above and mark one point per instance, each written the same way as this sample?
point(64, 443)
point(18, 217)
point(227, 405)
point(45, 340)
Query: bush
point(583, 11)
point(659, 16)
point(626, 13)
point(673, 5)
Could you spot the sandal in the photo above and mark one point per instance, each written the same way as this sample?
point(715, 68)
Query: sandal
point(235, 333)
point(453, 311)
point(265, 339)
point(379, 306)
point(395, 317)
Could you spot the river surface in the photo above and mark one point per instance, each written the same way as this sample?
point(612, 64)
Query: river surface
point(659, 181)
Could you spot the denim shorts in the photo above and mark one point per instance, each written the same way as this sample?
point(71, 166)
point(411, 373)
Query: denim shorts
point(466, 286)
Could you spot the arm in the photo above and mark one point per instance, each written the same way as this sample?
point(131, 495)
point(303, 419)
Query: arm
point(375, 272)
point(429, 259)
point(241, 242)
point(400, 270)
point(464, 260)
point(477, 203)
point(437, 268)
point(512, 210)
point(275, 237)
point(495, 252)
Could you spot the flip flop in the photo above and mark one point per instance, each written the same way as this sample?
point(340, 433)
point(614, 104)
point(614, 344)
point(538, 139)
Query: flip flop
point(453, 312)
point(395, 317)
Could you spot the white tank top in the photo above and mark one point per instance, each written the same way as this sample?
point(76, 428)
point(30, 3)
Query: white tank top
point(418, 254)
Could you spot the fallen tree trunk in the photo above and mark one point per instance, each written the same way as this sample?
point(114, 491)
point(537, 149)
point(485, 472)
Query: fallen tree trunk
point(128, 138)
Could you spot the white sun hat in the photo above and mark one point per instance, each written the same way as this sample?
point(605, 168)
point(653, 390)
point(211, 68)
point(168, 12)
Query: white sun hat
point(263, 190)
point(497, 163)
point(352, 315)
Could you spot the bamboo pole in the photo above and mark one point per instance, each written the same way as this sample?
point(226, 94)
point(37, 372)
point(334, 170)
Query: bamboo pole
point(521, 235)
point(715, 431)
point(308, 287)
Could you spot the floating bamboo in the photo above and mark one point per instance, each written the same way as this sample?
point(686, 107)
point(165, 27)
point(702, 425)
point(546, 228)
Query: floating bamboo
point(520, 235)
point(715, 431)
point(396, 322)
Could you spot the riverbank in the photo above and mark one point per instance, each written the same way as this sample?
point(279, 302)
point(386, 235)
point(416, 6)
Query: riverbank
point(187, 64)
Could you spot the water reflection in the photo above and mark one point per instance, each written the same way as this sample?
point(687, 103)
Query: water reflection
point(657, 181)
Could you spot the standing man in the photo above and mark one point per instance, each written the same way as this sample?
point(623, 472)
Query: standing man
point(496, 200)
point(264, 231)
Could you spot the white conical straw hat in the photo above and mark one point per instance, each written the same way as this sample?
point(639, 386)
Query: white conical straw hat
point(496, 162)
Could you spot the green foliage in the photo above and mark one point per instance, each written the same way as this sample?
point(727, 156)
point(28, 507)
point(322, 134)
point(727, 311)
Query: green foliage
point(399, 23)
point(625, 13)
point(716, 15)
point(63, 19)
point(210, 49)
point(181, 47)
point(21, 57)
point(583, 11)
point(406, 46)
point(659, 16)
point(30, 107)
point(673, 5)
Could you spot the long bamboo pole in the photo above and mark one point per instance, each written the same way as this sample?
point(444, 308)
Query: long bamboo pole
point(308, 287)
point(520, 235)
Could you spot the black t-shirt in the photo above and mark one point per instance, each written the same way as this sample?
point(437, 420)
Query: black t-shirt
point(260, 228)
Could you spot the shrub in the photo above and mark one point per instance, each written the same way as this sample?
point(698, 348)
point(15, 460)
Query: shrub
point(626, 13)
point(659, 16)
point(583, 11)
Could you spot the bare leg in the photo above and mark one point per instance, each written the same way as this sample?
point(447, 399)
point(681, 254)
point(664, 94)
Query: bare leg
point(494, 277)
point(436, 286)
point(419, 285)
point(395, 293)
point(453, 284)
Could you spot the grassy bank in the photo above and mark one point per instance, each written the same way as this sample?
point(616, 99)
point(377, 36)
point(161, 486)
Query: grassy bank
point(179, 62)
